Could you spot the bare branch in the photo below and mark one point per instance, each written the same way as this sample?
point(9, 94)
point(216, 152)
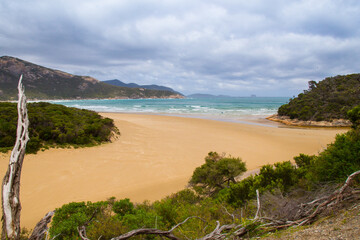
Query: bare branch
point(213, 233)
point(231, 215)
point(347, 183)
point(179, 224)
point(148, 231)
point(258, 204)
point(82, 233)
point(314, 201)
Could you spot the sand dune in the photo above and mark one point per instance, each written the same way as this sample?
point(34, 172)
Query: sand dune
point(154, 157)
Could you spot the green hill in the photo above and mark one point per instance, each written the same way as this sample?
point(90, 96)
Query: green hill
point(326, 100)
point(117, 82)
point(45, 83)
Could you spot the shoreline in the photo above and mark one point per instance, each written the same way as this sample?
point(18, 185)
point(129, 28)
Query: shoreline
point(258, 120)
point(154, 156)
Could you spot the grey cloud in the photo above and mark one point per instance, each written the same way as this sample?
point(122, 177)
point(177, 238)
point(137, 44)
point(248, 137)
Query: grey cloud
point(225, 47)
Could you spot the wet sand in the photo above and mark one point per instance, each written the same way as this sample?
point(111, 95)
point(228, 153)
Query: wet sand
point(154, 157)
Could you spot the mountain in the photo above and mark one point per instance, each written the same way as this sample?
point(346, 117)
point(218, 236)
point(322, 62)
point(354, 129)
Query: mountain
point(45, 83)
point(325, 100)
point(119, 83)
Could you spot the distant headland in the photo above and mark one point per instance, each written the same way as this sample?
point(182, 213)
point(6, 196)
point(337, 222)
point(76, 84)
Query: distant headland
point(45, 83)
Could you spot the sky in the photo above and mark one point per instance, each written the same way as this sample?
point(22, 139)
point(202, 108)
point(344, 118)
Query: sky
point(231, 47)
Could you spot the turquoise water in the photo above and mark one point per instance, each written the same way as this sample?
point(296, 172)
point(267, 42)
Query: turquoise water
point(229, 107)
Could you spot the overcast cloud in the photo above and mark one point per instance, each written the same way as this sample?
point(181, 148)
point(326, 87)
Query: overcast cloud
point(234, 47)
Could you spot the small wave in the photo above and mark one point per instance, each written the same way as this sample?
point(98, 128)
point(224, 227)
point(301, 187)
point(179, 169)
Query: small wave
point(218, 108)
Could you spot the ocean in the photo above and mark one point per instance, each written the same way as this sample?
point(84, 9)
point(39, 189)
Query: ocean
point(224, 108)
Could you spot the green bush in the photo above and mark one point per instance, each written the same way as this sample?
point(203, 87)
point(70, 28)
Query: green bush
point(162, 214)
point(282, 176)
point(238, 194)
point(303, 160)
point(123, 207)
point(70, 216)
point(54, 125)
point(340, 159)
point(217, 173)
point(354, 116)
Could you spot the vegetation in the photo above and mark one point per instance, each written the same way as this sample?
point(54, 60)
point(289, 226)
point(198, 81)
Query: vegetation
point(54, 125)
point(280, 176)
point(217, 196)
point(216, 174)
point(326, 100)
point(354, 116)
point(110, 220)
point(119, 83)
point(334, 164)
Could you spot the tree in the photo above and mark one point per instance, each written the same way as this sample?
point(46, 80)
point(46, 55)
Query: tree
point(312, 85)
point(217, 173)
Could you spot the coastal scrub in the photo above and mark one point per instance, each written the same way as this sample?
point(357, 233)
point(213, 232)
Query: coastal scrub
point(53, 125)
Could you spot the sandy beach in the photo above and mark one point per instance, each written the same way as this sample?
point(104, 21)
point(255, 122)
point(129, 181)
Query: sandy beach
point(154, 157)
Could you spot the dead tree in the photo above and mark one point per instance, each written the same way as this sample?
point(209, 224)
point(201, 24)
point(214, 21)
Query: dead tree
point(11, 206)
point(11, 183)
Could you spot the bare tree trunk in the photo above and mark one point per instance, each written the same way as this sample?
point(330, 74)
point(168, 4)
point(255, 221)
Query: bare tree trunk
point(41, 228)
point(11, 183)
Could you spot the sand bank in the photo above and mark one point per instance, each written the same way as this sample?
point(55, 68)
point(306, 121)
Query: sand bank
point(154, 157)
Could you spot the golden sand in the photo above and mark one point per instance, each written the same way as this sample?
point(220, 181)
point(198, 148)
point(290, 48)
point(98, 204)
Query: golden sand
point(154, 157)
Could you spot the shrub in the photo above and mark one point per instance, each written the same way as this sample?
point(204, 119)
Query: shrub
point(123, 207)
point(340, 159)
point(70, 216)
point(303, 160)
point(54, 125)
point(217, 173)
point(354, 116)
point(280, 176)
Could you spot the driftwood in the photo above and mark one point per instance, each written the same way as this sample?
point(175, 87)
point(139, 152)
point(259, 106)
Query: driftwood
point(11, 183)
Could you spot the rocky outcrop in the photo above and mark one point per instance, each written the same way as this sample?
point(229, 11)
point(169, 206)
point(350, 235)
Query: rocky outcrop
point(296, 122)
